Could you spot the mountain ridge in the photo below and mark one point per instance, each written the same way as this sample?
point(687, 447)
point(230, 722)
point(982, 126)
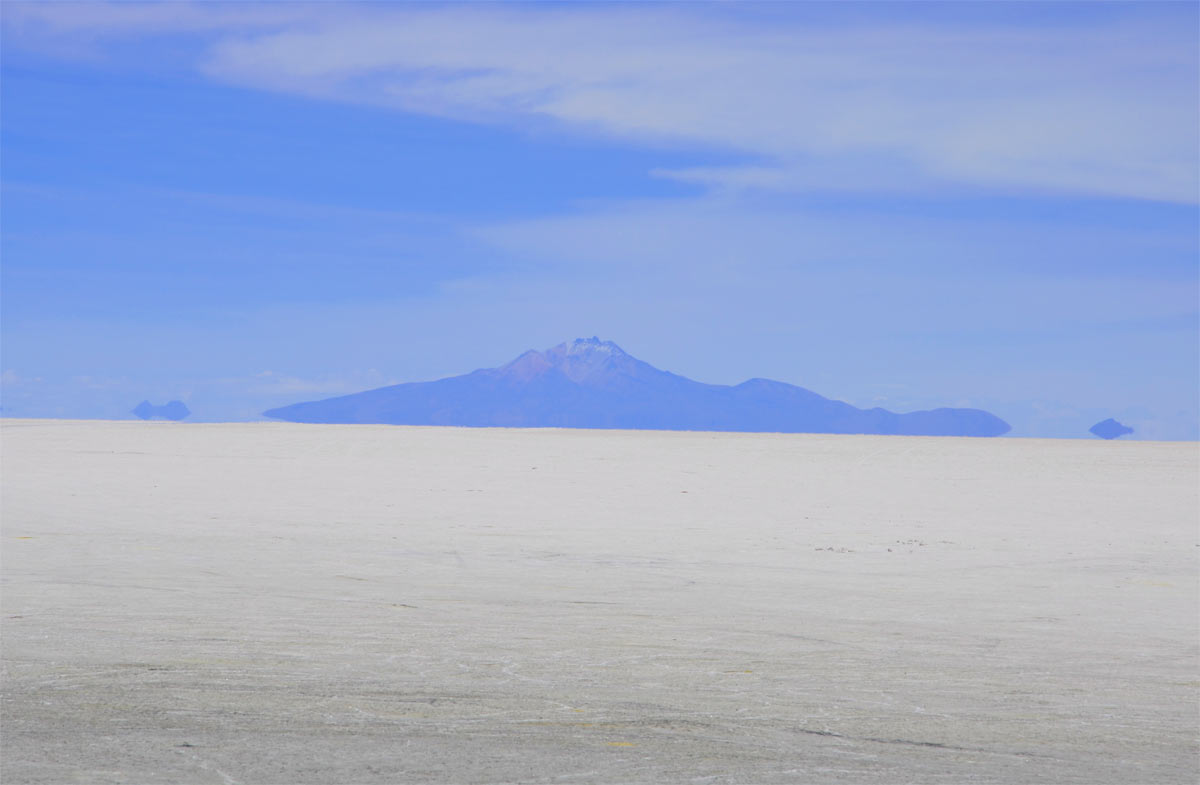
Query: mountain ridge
point(589, 383)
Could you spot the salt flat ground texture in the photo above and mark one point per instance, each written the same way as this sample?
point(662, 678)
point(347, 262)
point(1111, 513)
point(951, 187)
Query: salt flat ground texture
point(273, 603)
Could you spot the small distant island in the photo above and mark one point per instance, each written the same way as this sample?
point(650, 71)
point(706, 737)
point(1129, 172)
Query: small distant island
point(1109, 429)
point(589, 383)
point(171, 410)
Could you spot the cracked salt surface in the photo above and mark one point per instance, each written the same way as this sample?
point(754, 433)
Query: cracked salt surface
point(296, 604)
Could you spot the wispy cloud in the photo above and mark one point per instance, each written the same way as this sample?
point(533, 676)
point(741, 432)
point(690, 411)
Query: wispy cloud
point(272, 383)
point(10, 378)
point(1101, 106)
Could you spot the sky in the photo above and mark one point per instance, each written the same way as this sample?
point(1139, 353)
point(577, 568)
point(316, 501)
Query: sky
point(903, 205)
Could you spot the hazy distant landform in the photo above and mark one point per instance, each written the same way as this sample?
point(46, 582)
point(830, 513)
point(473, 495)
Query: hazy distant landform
point(1109, 429)
point(590, 383)
point(171, 410)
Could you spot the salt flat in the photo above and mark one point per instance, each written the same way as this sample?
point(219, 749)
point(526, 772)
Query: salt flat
point(272, 603)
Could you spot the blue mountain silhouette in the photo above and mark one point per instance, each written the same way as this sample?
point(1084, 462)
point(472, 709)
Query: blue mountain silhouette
point(590, 383)
point(1110, 429)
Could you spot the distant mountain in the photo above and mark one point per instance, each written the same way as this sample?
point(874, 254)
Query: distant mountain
point(591, 383)
point(1109, 429)
point(171, 410)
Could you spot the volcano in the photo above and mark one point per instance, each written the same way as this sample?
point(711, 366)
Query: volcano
point(589, 383)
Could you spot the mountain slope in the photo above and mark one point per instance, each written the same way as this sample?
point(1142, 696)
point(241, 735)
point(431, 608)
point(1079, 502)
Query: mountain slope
point(590, 383)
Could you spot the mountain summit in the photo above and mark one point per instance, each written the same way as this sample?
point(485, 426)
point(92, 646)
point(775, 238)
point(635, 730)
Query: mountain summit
point(585, 361)
point(589, 383)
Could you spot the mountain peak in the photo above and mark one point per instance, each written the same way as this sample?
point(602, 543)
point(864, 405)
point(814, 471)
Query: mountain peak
point(591, 345)
point(588, 359)
point(580, 360)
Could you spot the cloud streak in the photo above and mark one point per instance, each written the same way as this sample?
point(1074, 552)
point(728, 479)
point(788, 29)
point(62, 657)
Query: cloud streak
point(1084, 105)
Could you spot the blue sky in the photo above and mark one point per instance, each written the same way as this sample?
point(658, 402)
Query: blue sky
point(244, 206)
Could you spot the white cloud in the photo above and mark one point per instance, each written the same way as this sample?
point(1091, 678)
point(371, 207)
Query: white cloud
point(10, 378)
point(1087, 107)
point(270, 383)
